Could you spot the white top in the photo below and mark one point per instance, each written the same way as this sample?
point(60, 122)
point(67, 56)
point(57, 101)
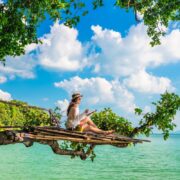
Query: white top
point(78, 117)
point(76, 121)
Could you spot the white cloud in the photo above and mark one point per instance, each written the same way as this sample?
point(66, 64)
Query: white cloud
point(144, 82)
point(61, 50)
point(63, 105)
point(22, 66)
point(125, 57)
point(119, 57)
point(31, 47)
point(133, 52)
point(122, 97)
point(3, 79)
point(5, 96)
point(99, 91)
point(94, 89)
point(140, 16)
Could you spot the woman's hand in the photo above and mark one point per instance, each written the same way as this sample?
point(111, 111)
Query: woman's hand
point(86, 111)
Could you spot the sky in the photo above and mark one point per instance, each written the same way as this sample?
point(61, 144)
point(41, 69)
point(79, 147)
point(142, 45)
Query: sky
point(107, 58)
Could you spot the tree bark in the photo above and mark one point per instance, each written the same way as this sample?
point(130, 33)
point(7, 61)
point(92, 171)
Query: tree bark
point(8, 137)
point(11, 137)
point(137, 130)
point(50, 136)
point(57, 150)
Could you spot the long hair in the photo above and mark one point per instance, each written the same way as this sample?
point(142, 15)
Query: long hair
point(71, 104)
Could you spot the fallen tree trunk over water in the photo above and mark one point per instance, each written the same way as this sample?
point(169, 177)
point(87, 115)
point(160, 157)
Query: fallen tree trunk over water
point(51, 135)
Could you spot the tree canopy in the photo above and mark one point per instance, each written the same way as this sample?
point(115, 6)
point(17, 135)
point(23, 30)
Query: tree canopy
point(19, 19)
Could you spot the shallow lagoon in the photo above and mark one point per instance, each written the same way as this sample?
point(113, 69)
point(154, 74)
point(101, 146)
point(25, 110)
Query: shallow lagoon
point(156, 160)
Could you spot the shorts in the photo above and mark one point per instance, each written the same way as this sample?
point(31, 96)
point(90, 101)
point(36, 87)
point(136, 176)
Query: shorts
point(79, 128)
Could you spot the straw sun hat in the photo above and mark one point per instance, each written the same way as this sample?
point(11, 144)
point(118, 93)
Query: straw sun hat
point(76, 95)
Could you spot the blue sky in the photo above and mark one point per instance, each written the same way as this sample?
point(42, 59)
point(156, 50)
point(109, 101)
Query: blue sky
point(106, 57)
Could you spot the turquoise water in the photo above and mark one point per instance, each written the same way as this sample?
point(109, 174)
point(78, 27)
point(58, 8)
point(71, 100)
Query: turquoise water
point(156, 160)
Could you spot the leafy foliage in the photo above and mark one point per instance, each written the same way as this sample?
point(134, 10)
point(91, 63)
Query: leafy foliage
point(75, 146)
point(19, 19)
point(107, 120)
point(22, 115)
point(165, 111)
point(156, 14)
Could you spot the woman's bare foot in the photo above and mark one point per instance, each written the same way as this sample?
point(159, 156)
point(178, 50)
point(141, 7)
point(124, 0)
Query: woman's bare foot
point(109, 132)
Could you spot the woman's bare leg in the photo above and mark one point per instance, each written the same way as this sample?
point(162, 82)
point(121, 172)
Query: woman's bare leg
point(88, 121)
point(91, 123)
point(87, 127)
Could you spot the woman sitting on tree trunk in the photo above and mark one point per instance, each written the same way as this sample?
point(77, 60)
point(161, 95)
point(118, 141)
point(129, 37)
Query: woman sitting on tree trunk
point(81, 122)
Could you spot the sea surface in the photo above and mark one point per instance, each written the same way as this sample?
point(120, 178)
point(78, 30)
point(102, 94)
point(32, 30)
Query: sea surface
point(158, 160)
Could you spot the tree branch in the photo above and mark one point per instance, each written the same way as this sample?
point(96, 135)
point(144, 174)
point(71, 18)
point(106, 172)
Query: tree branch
point(12, 137)
point(57, 150)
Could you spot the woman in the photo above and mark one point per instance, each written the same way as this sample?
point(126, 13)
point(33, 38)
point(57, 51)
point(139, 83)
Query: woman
point(81, 122)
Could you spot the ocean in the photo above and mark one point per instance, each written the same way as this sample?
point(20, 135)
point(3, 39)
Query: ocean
point(158, 160)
